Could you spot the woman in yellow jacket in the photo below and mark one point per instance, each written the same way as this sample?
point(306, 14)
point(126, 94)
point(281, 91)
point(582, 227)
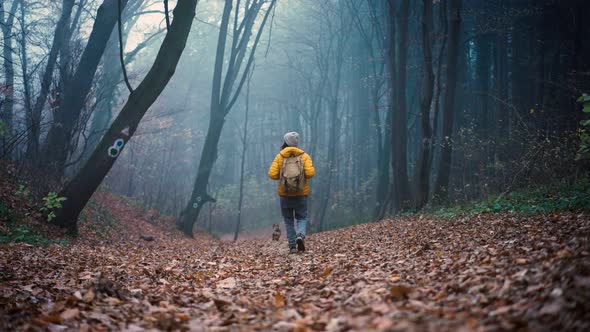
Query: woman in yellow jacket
point(293, 204)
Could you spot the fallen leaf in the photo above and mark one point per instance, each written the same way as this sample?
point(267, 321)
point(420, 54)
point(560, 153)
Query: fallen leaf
point(221, 304)
point(227, 283)
point(69, 314)
point(279, 300)
point(552, 308)
point(52, 318)
point(327, 271)
point(395, 278)
point(183, 317)
point(399, 292)
point(89, 296)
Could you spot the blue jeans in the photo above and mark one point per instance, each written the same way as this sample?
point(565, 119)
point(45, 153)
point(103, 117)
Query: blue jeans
point(294, 208)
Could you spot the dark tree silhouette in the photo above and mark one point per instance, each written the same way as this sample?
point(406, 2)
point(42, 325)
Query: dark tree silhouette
point(60, 135)
point(58, 39)
point(6, 25)
point(80, 189)
point(224, 95)
point(444, 168)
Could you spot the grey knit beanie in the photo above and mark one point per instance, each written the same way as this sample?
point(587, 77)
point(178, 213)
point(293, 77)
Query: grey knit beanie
point(292, 139)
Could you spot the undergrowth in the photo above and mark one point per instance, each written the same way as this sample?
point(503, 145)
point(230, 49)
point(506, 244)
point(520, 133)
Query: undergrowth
point(101, 222)
point(18, 232)
point(12, 229)
point(542, 200)
point(6, 214)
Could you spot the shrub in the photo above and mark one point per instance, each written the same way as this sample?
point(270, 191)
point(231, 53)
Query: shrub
point(24, 233)
point(51, 202)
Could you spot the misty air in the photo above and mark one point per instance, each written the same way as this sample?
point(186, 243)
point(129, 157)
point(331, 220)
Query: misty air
point(294, 165)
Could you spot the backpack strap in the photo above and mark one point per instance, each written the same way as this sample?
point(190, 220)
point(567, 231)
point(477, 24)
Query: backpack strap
point(282, 171)
point(301, 169)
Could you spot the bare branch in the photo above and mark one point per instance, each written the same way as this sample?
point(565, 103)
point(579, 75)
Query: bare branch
point(119, 24)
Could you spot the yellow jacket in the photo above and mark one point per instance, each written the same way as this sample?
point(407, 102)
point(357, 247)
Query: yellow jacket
point(275, 168)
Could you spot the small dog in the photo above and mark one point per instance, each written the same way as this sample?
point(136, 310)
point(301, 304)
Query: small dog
point(276, 234)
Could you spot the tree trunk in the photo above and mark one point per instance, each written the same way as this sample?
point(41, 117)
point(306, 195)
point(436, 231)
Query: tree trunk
point(75, 93)
point(83, 185)
point(109, 80)
point(424, 159)
point(382, 130)
point(439, 77)
point(243, 160)
point(6, 24)
point(442, 184)
point(108, 83)
point(399, 129)
point(222, 100)
point(483, 74)
point(25, 61)
point(36, 112)
point(361, 120)
point(331, 160)
point(199, 195)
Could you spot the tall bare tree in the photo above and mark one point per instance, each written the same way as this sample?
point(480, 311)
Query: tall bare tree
point(71, 104)
point(444, 168)
point(6, 24)
point(399, 116)
point(336, 22)
point(79, 190)
point(243, 156)
point(110, 77)
point(59, 37)
point(224, 95)
point(423, 168)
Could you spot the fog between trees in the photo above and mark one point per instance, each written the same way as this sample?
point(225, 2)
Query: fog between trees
point(401, 104)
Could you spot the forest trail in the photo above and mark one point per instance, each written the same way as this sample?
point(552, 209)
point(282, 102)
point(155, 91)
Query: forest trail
point(485, 272)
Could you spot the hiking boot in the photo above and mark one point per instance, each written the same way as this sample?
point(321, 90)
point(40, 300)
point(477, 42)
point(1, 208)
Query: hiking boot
point(292, 250)
point(300, 243)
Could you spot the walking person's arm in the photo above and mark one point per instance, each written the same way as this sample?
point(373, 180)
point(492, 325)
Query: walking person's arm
point(308, 167)
point(275, 168)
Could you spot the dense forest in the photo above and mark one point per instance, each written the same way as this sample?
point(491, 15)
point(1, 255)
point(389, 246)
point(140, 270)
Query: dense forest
point(176, 108)
point(402, 104)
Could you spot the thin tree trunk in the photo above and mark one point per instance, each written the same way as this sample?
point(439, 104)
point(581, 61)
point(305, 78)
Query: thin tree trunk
point(6, 24)
point(243, 161)
point(439, 77)
point(383, 161)
point(442, 184)
point(83, 185)
point(334, 124)
point(222, 101)
point(399, 131)
point(25, 60)
point(35, 118)
point(199, 195)
point(424, 159)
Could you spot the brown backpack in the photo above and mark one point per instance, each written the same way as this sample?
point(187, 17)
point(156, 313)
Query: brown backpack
point(292, 177)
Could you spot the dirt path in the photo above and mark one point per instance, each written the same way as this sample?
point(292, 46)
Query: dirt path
point(481, 273)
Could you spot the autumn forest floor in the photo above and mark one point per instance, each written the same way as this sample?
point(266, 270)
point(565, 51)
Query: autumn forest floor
point(486, 271)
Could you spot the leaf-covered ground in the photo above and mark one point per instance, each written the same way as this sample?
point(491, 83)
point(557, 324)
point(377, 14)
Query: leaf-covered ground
point(485, 272)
